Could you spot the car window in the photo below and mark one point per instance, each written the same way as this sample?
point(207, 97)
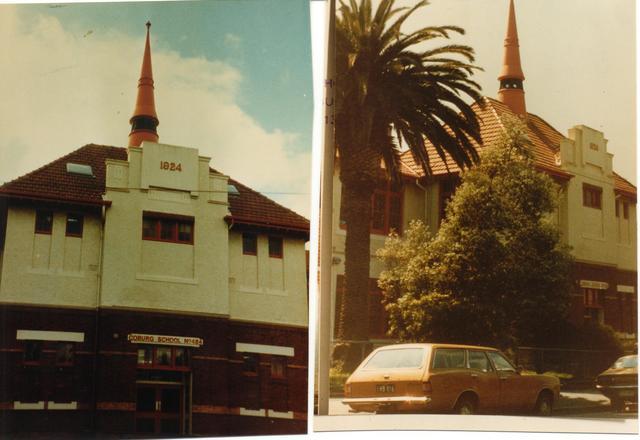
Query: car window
point(500, 362)
point(478, 361)
point(396, 358)
point(448, 358)
point(626, 362)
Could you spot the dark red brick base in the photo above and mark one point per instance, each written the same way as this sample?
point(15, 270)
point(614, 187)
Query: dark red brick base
point(105, 385)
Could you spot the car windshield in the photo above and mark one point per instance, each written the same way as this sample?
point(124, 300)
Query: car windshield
point(626, 362)
point(396, 358)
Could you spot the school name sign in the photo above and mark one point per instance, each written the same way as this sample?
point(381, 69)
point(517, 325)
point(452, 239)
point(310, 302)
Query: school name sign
point(184, 341)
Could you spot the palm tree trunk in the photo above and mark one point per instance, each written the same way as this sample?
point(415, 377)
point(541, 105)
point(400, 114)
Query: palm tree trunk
point(353, 324)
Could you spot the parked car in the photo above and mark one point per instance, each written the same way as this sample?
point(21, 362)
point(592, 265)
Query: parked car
point(463, 379)
point(620, 382)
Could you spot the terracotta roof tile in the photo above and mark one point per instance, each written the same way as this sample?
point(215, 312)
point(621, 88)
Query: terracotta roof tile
point(622, 185)
point(53, 182)
point(545, 139)
point(251, 207)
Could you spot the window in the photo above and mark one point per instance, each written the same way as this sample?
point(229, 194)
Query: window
point(44, 222)
point(172, 229)
point(32, 352)
point(64, 354)
point(593, 305)
point(591, 196)
point(162, 357)
point(250, 363)
point(593, 146)
point(386, 211)
point(74, 225)
point(449, 358)
point(275, 247)
point(250, 392)
point(478, 361)
point(396, 358)
point(593, 298)
point(278, 367)
point(249, 243)
point(377, 316)
point(500, 362)
point(625, 210)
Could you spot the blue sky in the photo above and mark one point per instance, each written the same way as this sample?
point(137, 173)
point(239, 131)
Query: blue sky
point(250, 58)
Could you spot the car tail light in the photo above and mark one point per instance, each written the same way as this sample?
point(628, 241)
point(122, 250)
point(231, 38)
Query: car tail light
point(347, 389)
point(426, 387)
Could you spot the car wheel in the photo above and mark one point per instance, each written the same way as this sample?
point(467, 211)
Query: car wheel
point(544, 405)
point(465, 406)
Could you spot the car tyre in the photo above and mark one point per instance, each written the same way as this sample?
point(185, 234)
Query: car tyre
point(544, 405)
point(466, 405)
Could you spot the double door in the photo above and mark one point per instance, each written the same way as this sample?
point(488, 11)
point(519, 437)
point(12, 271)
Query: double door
point(159, 409)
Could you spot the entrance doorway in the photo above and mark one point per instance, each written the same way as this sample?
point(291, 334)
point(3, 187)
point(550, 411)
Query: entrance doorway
point(159, 409)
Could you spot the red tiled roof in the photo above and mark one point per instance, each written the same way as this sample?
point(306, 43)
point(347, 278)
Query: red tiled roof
point(53, 182)
point(545, 139)
point(623, 186)
point(251, 207)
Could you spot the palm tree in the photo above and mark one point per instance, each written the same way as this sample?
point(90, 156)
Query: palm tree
point(389, 93)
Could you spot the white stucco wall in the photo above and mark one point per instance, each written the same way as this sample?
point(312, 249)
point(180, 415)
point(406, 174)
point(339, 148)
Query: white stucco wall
point(267, 289)
point(50, 270)
point(160, 275)
point(596, 235)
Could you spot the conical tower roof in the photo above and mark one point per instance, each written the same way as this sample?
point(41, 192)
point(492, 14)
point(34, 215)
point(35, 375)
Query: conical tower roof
point(144, 120)
point(511, 90)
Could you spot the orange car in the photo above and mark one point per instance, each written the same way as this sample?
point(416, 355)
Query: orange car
point(446, 378)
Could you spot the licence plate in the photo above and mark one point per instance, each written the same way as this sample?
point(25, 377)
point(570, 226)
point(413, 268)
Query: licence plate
point(626, 393)
point(385, 388)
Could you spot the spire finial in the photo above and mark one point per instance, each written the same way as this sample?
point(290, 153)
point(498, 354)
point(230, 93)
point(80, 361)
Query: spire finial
point(144, 120)
point(511, 76)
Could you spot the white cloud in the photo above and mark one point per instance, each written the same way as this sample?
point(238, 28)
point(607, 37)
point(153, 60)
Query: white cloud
point(61, 91)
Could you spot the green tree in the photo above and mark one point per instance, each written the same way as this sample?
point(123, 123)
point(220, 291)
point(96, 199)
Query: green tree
point(496, 272)
point(389, 92)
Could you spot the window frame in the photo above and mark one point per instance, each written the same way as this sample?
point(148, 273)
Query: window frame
point(591, 196)
point(281, 240)
point(175, 221)
point(254, 237)
point(80, 218)
point(490, 354)
point(388, 194)
point(484, 353)
point(155, 365)
point(72, 356)
point(254, 372)
point(282, 361)
point(465, 362)
point(39, 213)
point(40, 350)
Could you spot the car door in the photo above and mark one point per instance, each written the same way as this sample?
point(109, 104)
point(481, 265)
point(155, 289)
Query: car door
point(512, 386)
point(449, 377)
point(484, 380)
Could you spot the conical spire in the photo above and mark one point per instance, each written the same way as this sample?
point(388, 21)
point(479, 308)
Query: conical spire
point(144, 120)
point(511, 77)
